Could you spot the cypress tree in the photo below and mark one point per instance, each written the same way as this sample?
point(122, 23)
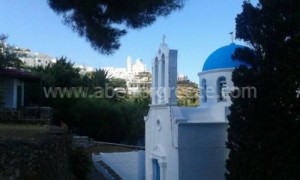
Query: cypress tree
point(264, 129)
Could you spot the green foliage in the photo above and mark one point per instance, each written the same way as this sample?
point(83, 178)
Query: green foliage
point(103, 22)
point(106, 120)
point(80, 163)
point(32, 94)
point(1, 98)
point(99, 78)
point(187, 94)
point(264, 132)
point(7, 57)
point(93, 115)
point(59, 74)
point(114, 119)
point(39, 157)
point(117, 83)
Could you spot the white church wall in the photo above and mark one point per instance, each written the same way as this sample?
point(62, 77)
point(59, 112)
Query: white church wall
point(171, 77)
point(186, 143)
point(164, 72)
point(154, 81)
point(203, 115)
point(202, 150)
point(160, 144)
point(212, 95)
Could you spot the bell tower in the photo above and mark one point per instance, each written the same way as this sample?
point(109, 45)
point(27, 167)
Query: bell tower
point(161, 153)
point(164, 76)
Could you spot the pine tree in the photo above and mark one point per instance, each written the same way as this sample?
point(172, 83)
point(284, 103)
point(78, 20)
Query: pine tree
point(7, 57)
point(103, 22)
point(264, 131)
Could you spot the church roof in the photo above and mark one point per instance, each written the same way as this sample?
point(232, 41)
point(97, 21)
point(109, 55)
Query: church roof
point(222, 58)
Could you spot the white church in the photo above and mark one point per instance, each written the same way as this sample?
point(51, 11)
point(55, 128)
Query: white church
point(189, 142)
point(182, 143)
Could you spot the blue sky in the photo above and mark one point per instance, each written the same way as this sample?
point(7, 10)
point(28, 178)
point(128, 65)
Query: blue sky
point(197, 30)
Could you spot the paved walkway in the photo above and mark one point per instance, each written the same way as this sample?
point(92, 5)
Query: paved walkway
point(95, 175)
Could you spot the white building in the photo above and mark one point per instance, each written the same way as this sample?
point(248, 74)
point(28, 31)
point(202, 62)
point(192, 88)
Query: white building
point(12, 83)
point(33, 59)
point(187, 142)
point(137, 67)
point(141, 82)
point(128, 72)
point(117, 72)
point(137, 77)
point(140, 78)
point(181, 77)
point(84, 69)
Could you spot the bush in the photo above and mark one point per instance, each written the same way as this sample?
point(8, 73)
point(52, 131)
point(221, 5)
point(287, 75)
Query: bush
point(108, 121)
point(80, 163)
point(1, 98)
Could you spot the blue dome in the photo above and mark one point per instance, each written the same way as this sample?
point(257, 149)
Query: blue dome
point(221, 58)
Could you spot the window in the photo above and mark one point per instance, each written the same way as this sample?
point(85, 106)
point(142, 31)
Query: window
point(221, 89)
point(203, 88)
point(161, 79)
point(156, 73)
point(155, 82)
point(162, 70)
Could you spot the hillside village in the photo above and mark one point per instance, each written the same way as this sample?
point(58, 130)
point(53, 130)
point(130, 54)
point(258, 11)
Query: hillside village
point(136, 76)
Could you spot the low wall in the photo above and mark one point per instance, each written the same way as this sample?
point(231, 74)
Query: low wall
point(85, 141)
point(43, 158)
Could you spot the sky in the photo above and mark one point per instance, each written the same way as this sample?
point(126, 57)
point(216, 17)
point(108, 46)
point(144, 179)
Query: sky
point(201, 27)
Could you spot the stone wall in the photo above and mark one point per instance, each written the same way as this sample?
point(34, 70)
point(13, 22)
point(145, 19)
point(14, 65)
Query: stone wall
point(45, 157)
point(83, 141)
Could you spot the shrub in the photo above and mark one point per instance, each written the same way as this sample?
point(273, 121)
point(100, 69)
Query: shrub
point(80, 163)
point(1, 98)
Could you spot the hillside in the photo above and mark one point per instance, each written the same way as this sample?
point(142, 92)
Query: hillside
point(187, 93)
